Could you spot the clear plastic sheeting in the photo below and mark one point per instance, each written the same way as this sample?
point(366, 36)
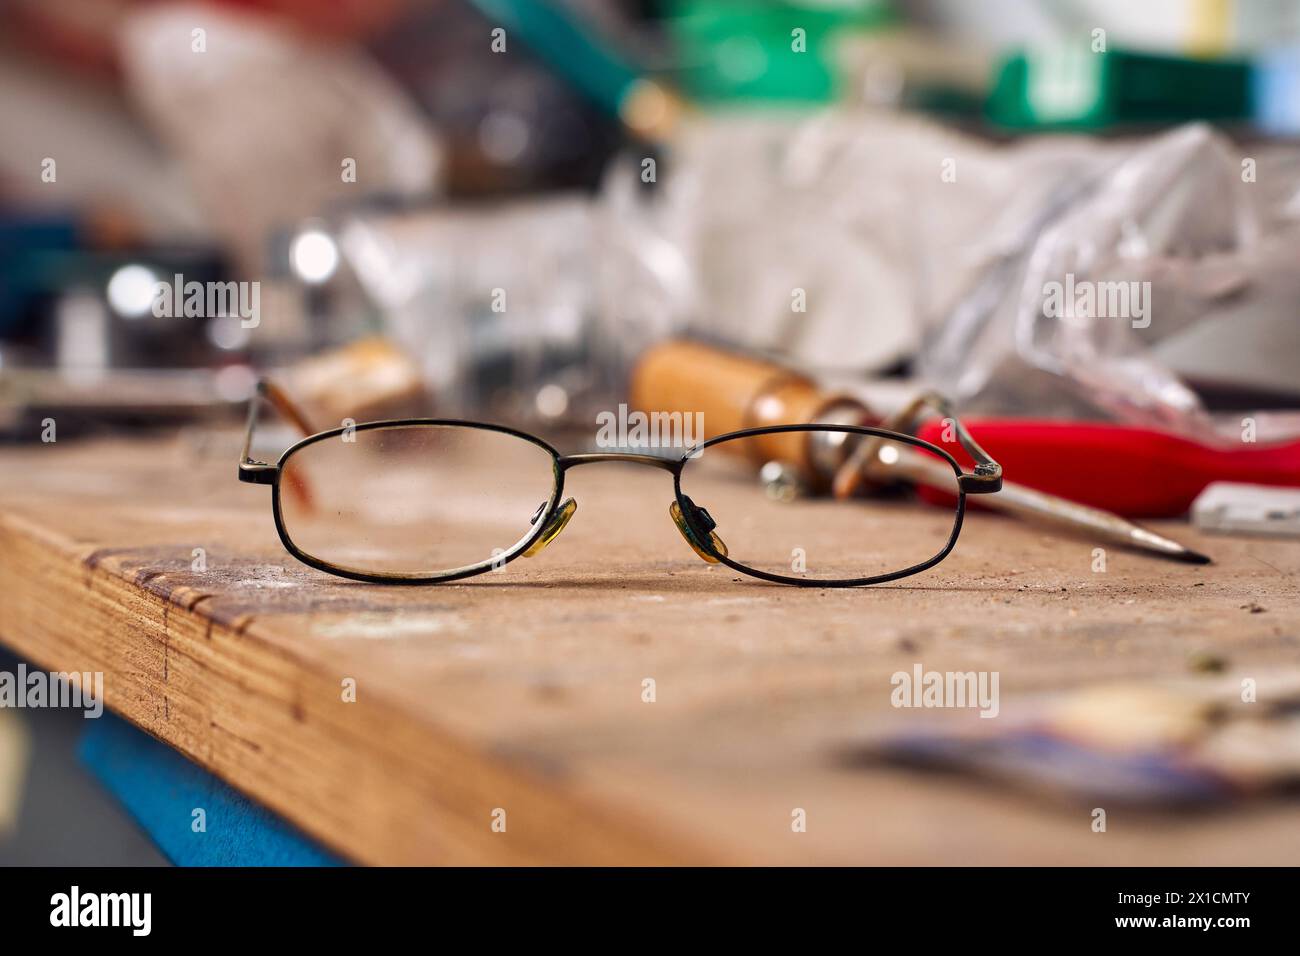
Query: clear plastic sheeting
point(1054, 276)
point(1171, 263)
point(496, 303)
point(1065, 275)
point(773, 232)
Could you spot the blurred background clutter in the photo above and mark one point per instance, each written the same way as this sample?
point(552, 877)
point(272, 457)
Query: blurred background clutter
point(525, 195)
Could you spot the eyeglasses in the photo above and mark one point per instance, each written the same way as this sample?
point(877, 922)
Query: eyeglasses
point(423, 501)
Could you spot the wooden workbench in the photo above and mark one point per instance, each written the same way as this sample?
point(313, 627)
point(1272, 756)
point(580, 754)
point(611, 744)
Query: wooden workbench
point(523, 690)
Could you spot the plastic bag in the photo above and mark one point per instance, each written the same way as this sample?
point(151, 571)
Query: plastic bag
point(1174, 260)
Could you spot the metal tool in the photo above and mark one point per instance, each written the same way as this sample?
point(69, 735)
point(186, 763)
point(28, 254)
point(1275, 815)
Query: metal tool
point(867, 463)
point(1044, 508)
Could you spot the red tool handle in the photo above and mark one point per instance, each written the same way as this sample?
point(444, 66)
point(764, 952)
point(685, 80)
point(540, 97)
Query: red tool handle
point(1135, 472)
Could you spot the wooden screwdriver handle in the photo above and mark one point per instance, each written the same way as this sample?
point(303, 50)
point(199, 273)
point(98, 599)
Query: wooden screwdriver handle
point(736, 391)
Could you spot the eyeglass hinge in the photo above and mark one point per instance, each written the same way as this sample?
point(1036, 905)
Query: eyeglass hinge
point(981, 483)
point(257, 472)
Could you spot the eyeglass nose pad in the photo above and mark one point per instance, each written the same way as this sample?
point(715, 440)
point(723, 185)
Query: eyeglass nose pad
point(698, 531)
point(553, 527)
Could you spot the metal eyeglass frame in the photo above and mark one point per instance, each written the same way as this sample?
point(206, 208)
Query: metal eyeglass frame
point(694, 522)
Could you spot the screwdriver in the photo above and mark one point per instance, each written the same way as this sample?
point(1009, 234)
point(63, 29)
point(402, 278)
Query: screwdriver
point(933, 480)
point(1134, 472)
point(734, 391)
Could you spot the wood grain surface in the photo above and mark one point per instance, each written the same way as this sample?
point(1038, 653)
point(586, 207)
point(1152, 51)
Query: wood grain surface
point(523, 690)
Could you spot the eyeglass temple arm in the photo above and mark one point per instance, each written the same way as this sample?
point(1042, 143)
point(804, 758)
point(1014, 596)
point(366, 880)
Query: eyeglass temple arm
point(260, 472)
point(987, 477)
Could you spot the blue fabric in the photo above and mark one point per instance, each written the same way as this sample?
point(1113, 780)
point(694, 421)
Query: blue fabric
point(161, 789)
